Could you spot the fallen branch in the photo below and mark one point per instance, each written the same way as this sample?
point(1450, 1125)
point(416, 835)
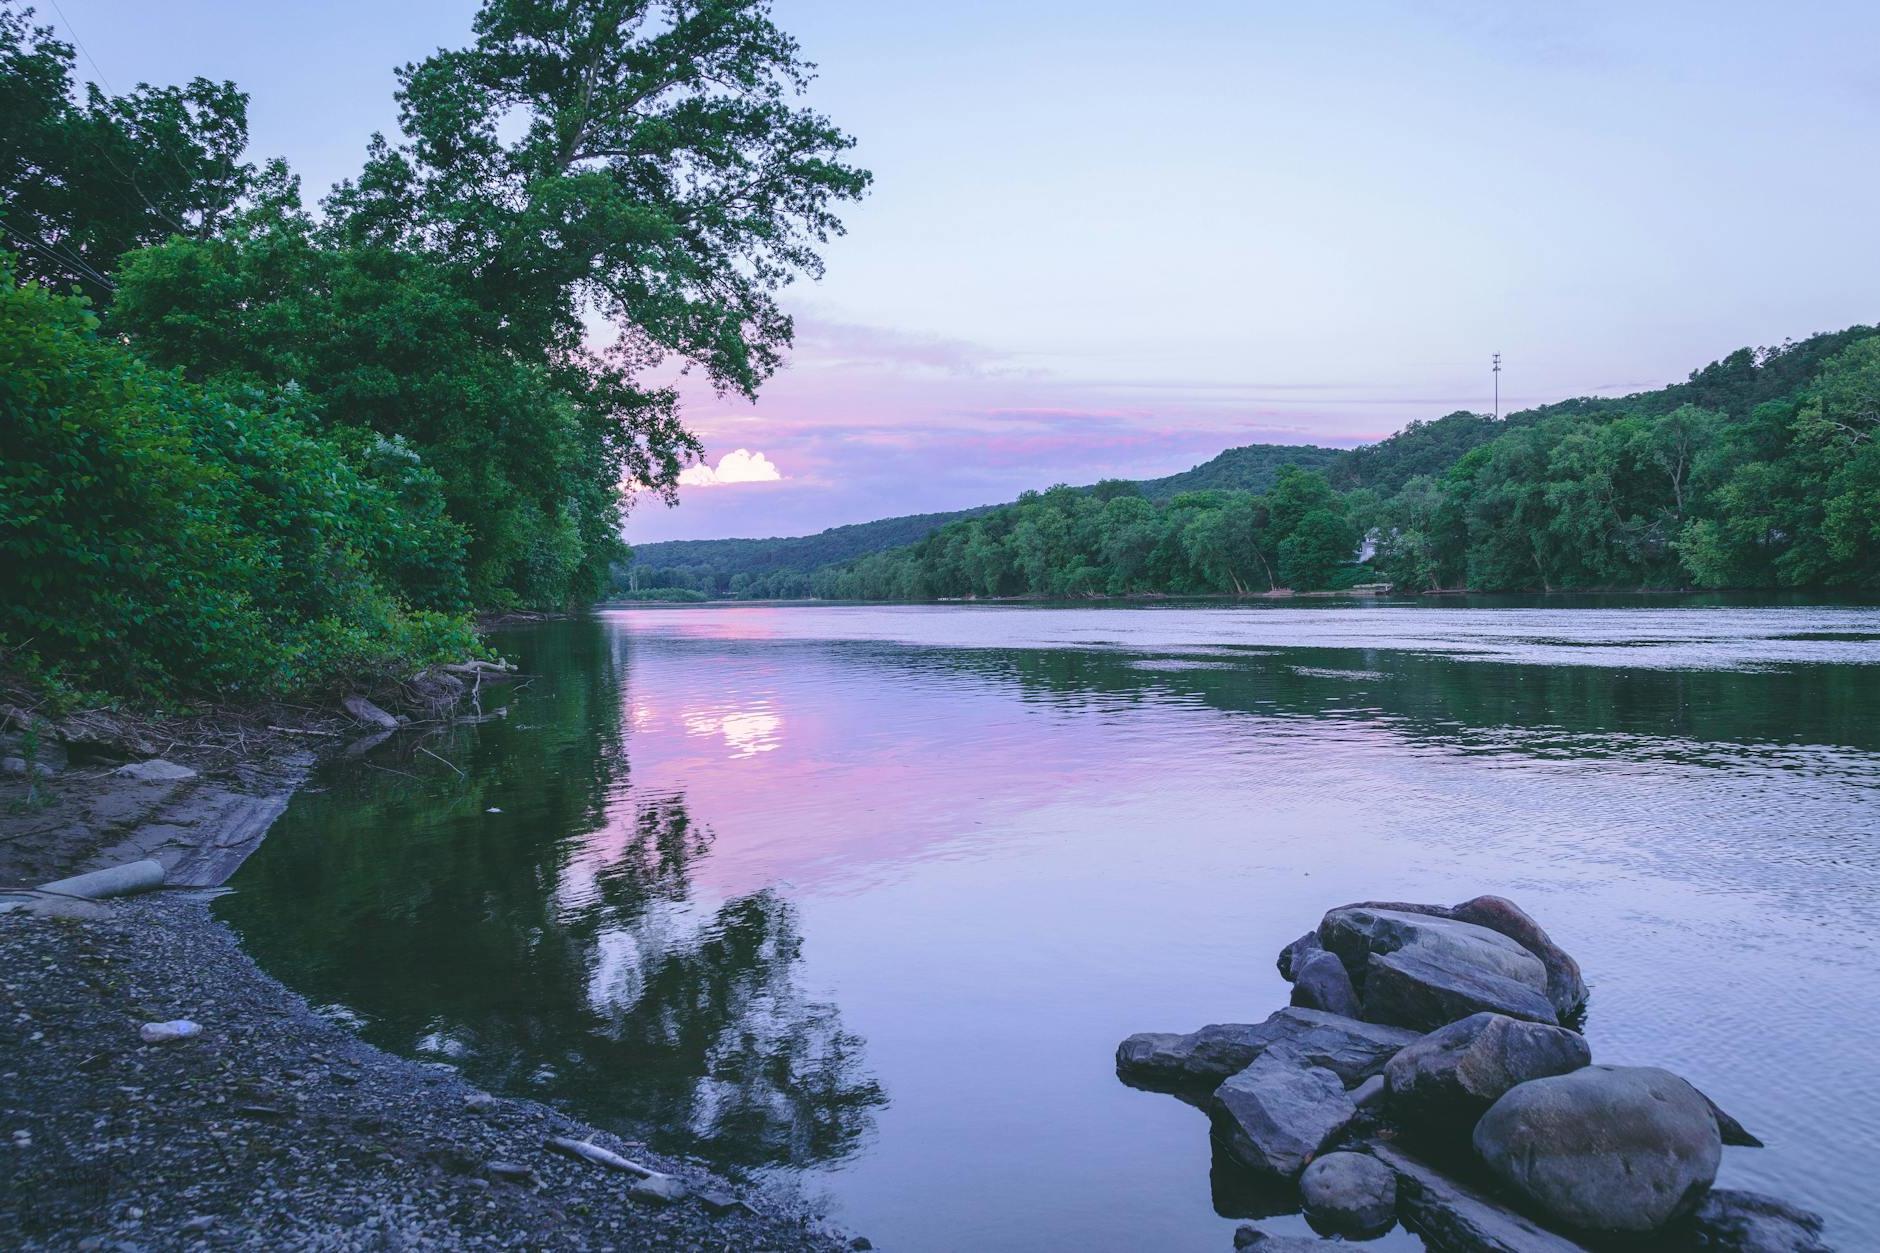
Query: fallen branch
point(598, 1155)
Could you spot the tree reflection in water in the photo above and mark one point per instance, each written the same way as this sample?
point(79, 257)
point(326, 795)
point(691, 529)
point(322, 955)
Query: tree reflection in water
point(534, 922)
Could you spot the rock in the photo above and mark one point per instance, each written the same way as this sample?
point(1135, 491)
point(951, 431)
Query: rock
point(1349, 1194)
point(1426, 989)
point(660, 1189)
point(1565, 988)
point(1168, 1059)
point(861, 1244)
point(480, 1103)
point(1281, 1112)
point(1425, 971)
point(370, 714)
point(156, 770)
point(1352, 1049)
point(1451, 1215)
point(1248, 1236)
point(1450, 1077)
point(717, 1201)
point(1605, 1148)
point(1732, 1131)
point(1748, 1222)
point(1322, 983)
point(20, 766)
point(1369, 1094)
point(169, 1032)
point(1294, 955)
point(509, 1172)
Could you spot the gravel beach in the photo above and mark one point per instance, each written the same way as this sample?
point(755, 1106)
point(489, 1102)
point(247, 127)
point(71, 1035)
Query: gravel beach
point(277, 1129)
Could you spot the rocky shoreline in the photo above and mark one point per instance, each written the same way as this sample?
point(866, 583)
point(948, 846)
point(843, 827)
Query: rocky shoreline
point(1430, 1071)
point(271, 1127)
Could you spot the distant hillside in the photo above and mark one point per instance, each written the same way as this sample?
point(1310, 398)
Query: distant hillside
point(713, 564)
point(1249, 468)
point(724, 558)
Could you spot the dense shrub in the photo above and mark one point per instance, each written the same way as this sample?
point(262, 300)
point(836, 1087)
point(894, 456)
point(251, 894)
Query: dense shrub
point(161, 536)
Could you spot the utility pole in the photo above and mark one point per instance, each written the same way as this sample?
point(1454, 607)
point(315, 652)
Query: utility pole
point(1498, 387)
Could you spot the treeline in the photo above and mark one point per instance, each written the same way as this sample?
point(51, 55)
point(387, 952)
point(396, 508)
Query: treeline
point(251, 447)
point(1761, 471)
point(788, 567)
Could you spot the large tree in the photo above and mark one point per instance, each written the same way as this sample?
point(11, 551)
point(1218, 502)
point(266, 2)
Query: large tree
point(84, 182)
point(590, 187)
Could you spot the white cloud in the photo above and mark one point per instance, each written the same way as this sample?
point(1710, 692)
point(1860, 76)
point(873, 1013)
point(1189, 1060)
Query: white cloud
point(739, 466)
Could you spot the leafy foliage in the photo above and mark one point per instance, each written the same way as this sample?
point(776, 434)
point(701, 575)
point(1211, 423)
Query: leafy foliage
point(86, 183)
point(334, 433)
point(160, 536)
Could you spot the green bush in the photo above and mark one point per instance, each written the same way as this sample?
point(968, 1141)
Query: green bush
point(167, 538)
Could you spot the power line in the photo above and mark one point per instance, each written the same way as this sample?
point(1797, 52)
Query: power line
point(102, 151)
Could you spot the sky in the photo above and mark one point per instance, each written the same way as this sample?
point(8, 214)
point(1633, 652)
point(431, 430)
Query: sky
point(1112, 239)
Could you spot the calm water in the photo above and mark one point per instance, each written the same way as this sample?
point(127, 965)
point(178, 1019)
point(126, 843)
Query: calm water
point(863, 898)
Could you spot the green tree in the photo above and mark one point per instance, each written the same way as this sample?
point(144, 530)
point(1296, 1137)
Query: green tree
point(1322, 541)
point(84, 183)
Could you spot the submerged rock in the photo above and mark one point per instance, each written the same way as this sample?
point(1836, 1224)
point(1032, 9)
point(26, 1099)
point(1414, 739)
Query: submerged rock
point(1452, 1215)
point(1281, 1112)
point(1351, 1049)
point(1730, 1221)
point(1451, 1076)
point(1732, 1131)
point(1605, 1148)
point(1349, 1194)
point(1323, 984)
point(1248, 1236)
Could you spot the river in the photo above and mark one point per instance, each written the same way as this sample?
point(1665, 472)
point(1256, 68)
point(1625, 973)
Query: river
point(861, 899)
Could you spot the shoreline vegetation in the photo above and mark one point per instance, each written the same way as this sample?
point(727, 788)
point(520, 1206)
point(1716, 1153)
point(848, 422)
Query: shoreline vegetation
point(260, 445)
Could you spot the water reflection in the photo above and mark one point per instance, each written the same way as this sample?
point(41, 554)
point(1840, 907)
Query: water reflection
point(734, 843)
point(558, 947)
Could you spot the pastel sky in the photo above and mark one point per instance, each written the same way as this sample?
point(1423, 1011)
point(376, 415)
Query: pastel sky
point(1113, 238)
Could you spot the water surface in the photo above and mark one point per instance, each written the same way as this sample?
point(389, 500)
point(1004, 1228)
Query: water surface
point(861, 899)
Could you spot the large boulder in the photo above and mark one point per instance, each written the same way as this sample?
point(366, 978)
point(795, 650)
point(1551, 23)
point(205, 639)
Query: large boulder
point(1450, 1077)
point(1728, 1221)
point(1605, 1148)
point(1349, 1194)
point(1323, 984)
point(1565, 988)
point(1425, 971)
point(1281, 1112)
point(1428, 988)
point(1351, 1049)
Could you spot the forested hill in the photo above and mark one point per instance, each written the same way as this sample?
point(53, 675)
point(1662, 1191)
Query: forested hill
point(1761, 470)
point(711, 565)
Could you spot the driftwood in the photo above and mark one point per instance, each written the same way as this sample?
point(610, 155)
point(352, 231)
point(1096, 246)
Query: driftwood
point(598, 1155)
